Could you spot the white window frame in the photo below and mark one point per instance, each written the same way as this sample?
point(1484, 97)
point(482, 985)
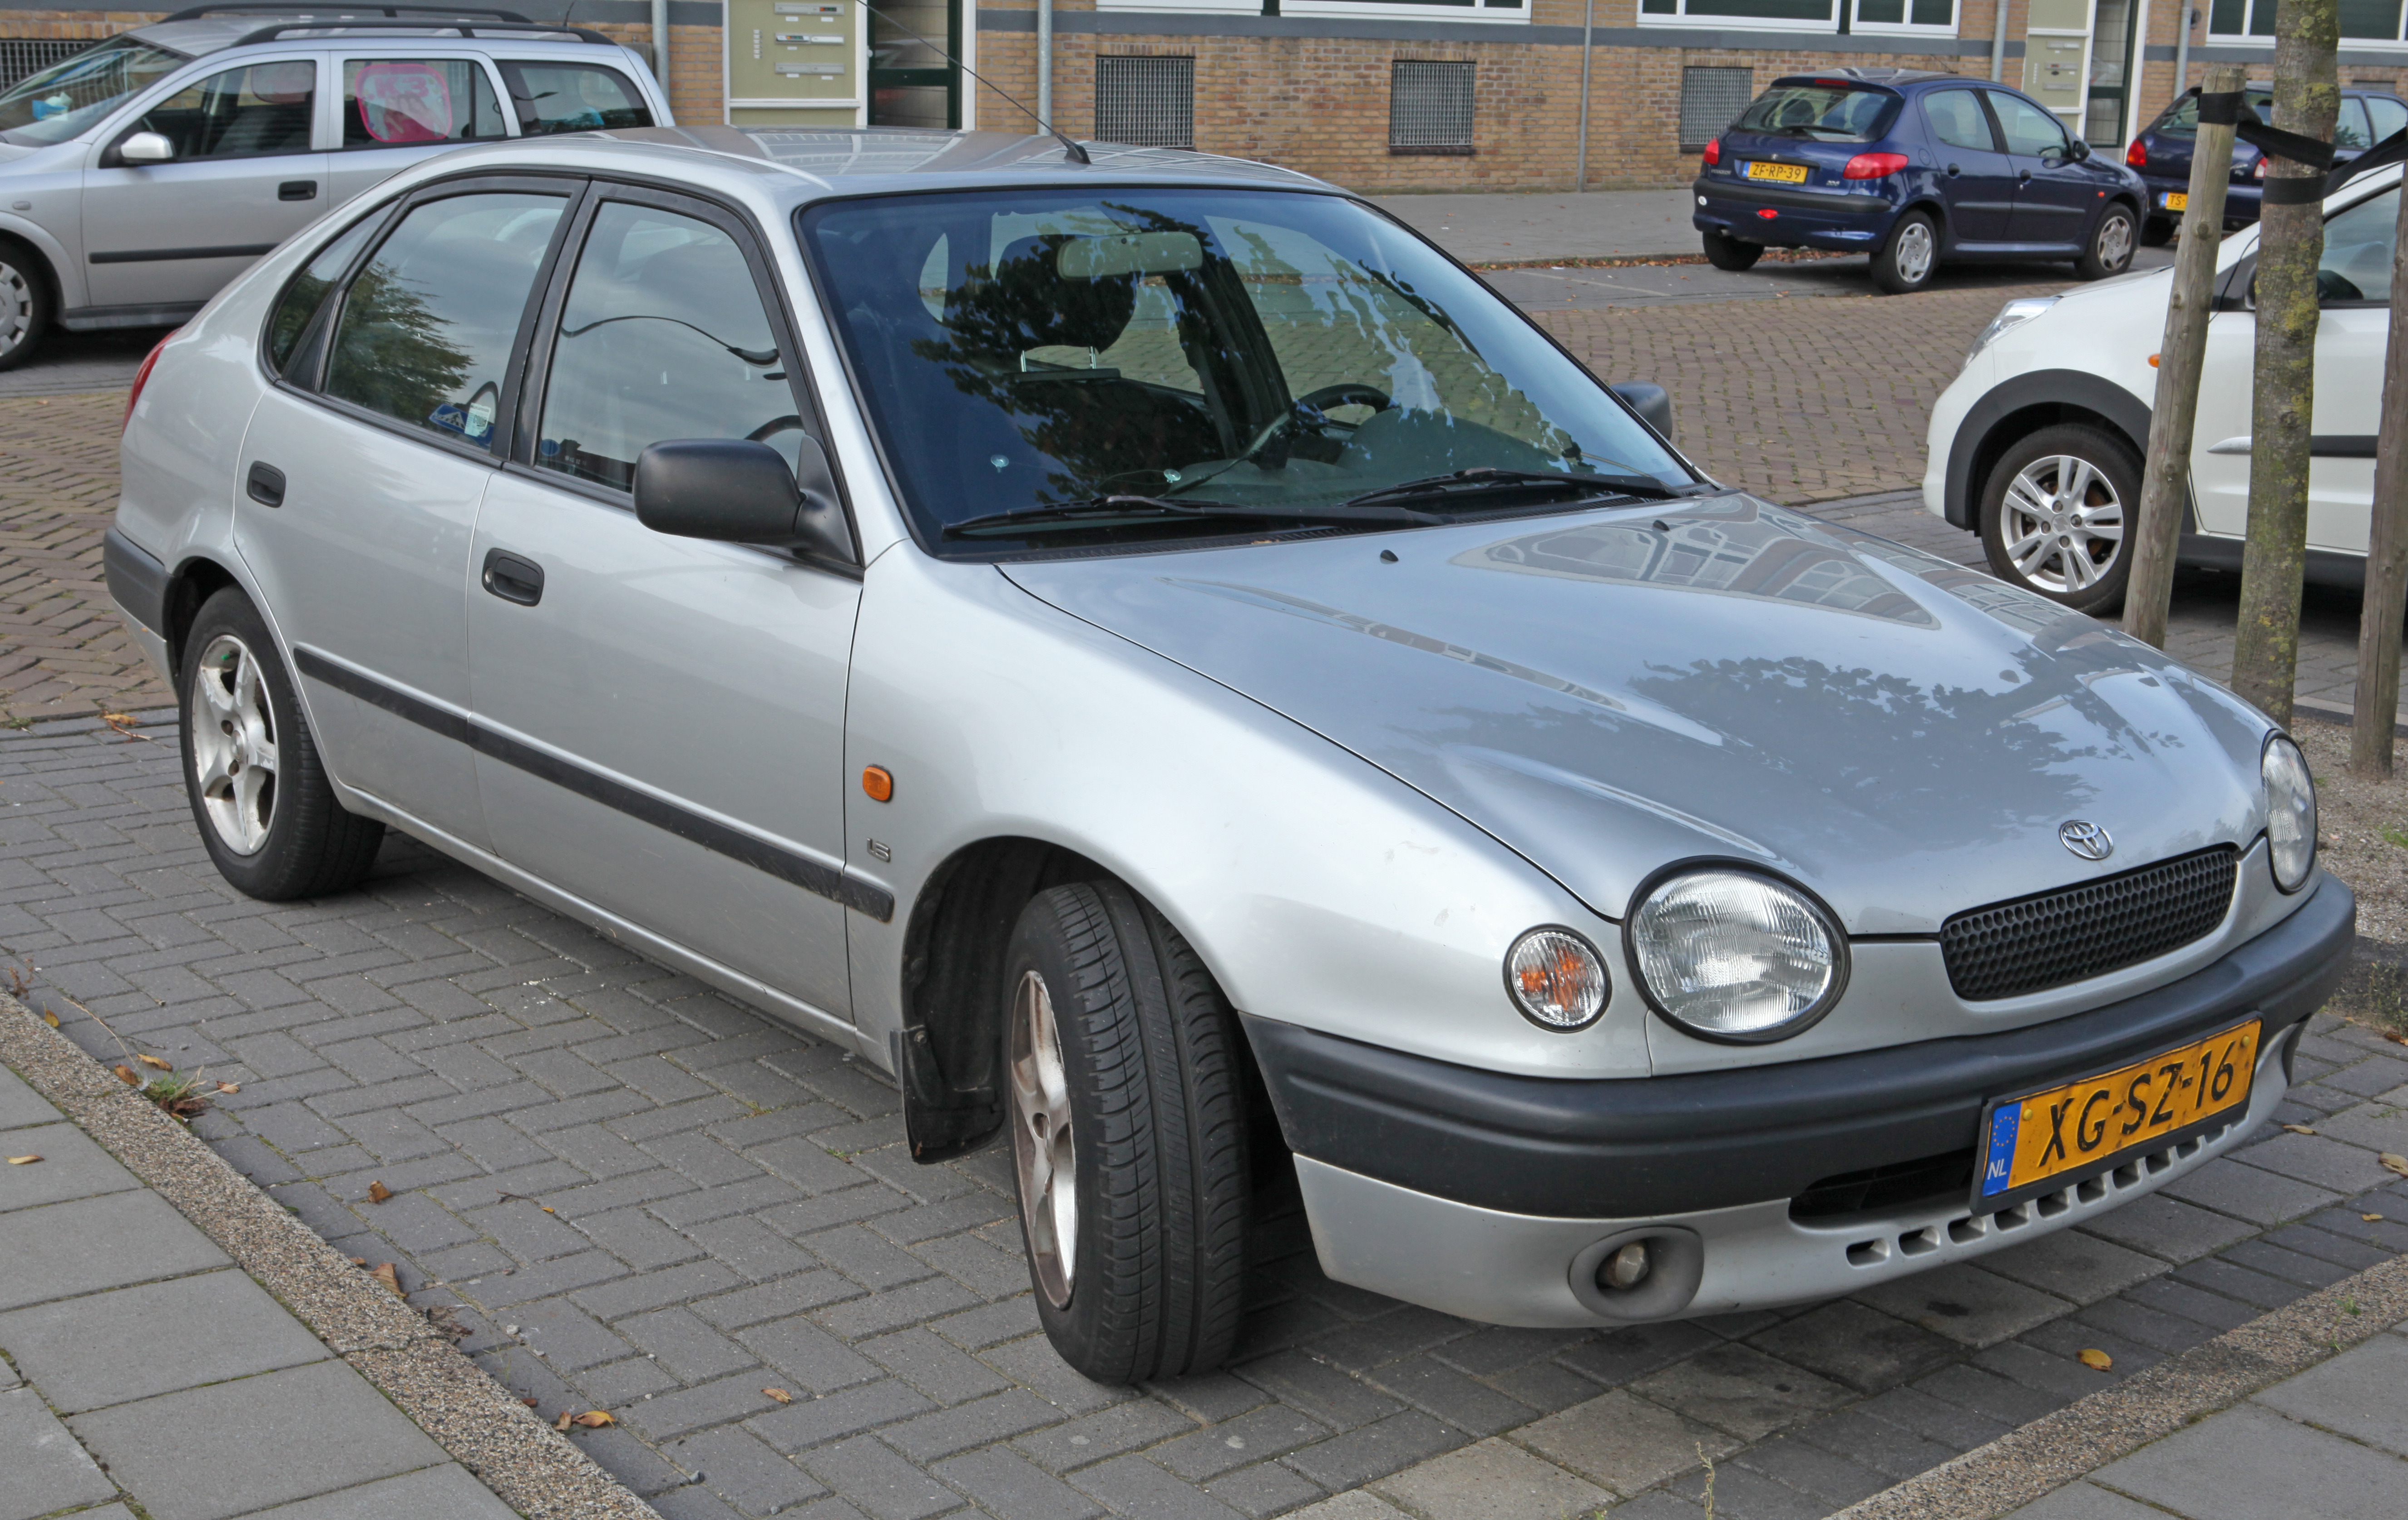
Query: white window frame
point(1382, 9)
point(2348, 44)
point(1908, 28)
point(1827, 26)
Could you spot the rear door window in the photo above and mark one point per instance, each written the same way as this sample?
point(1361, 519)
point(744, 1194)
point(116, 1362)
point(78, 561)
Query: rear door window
point(240, 113)
point(427, 325)
point(2183, 119)
point(1957, 120)
point(2349, 128)
point(418, 102)
point(1822, 111)
point(2360, 244)
point(572, 97)
point(2389, 115)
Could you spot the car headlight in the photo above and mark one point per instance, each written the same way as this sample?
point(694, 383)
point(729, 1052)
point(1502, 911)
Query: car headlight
point(1730, 955)
point(2290, 813)
point(2010, 316)
point(1557, 979)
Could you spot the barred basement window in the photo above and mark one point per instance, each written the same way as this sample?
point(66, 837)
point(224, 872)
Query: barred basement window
point(1711, 100)
point(20, 56)
point(1147, 102)
point(1429, 106)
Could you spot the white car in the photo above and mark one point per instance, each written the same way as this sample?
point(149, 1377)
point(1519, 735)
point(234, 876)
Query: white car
point(2037, 445)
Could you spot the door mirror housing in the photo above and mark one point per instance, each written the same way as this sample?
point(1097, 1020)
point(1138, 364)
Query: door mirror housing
point(2077, 151)
point(146, 148)
point(1651, 401)
point(738, 491)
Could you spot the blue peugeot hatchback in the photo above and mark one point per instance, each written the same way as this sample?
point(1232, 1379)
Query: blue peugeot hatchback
point(1915, 169)
point(2161, 154)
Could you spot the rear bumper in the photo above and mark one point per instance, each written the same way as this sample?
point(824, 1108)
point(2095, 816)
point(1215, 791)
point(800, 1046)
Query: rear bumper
point(1797, 219)
point(2241, 201)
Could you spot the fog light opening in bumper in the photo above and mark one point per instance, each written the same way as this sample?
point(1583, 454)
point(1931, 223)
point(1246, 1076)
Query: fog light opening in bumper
point(1648, 1272)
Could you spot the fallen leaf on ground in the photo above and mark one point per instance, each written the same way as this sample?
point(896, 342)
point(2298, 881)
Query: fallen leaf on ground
point(528, 1402)
point(2369, 1218)
point(2095, 1360)
point(2299, 1129)
point(22, 1160)
point(2394, 1161)
point(154, 1061)
point(2397, 1039)
point(49, 1018)
point(386, 1275)
point(545, 1207)
point(594, 1419)
point(359, 1261)
point(561, 1423)
point(125, 1074)
point(780, 1395)
point(378, 1191)
point(229, 1087)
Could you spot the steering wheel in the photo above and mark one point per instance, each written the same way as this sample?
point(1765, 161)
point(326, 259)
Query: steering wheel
point(1345, 394)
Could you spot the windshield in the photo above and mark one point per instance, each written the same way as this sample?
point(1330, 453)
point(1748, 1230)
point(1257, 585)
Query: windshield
point(1039, 348)
point(1826, 112)
point(66, 97)
point(2183, 119)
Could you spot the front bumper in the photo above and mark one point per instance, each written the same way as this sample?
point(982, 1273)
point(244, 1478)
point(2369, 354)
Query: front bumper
point(1473, 1192)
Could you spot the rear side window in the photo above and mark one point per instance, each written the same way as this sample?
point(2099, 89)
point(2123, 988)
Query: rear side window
point(264, 108)
point(2359, 243)
point(425, 330)
point(2183, 119)
point(1824, 111)
point(406, 102)
point(2349, 128)
point(2389, 115)
point(1957, 120)
point(573, 97)
point(308, 290)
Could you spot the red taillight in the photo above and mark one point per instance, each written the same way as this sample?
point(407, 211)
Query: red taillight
point(1767, 213)
point(1713, 153)
point(1873, 165)
point(142, 378)
point(2137, 156)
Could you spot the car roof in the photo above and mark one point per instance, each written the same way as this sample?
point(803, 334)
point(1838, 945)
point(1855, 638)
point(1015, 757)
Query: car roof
point(204, 34)
point(1888, 79)
point(827, 162)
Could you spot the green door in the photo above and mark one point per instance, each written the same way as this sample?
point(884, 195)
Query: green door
point(910, 83)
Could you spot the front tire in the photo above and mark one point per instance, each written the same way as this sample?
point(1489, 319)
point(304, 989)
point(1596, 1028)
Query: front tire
point(2056, 514)
point(25, 305)
point(1127, 1115)
point(1911, 257)
point(259, 794)
point(2111, 244)
point(1728, 253)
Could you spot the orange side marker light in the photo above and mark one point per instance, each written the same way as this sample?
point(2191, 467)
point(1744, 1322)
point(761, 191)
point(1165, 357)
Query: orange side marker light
point(878, 783)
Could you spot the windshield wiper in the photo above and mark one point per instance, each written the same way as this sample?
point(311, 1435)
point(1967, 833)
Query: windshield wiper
point(1484, 478)
point(1083, 513)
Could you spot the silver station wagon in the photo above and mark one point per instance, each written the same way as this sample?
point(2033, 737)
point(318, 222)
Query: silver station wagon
point(1171, 666)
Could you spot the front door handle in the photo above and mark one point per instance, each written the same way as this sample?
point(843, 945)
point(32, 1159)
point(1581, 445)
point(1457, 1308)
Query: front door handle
point(2023, 178)
point(266, 484)
point(513, 579)
point(297, 190)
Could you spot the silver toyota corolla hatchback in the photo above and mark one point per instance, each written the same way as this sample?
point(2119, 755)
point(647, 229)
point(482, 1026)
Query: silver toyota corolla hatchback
point(1164, 662)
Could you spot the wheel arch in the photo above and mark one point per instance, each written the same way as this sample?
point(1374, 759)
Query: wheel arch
point(195, 581)
point(41, 260)
point(2022, 406)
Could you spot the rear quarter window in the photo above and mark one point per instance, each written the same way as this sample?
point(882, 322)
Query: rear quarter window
point(573, 97)
point(1822, 113)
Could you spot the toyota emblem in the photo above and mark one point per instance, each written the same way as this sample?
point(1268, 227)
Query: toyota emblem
point(2089, 841)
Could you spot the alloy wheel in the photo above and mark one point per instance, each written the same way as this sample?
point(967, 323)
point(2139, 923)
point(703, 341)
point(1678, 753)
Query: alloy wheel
point(233, 744)
point(16, 307)
point(2062, 523)
point(1915, 248)
point(1043, 1149)
point(2116, 240)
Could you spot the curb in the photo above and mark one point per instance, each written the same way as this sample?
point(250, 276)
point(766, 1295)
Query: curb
point(533, 1470)
point(2085, 1436)
point(1630, 260)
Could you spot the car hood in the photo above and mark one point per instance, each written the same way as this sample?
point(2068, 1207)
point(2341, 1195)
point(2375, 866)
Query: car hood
point(1611, 691)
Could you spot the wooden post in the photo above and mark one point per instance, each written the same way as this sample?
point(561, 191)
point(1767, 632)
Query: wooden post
point(2290, 245)
point(2165, 483)
point(2377, 704)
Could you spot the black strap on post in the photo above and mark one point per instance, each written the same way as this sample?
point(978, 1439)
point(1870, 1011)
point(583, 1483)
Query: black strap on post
point(2291, 190)
point(2275, 142)
point(2220, 110)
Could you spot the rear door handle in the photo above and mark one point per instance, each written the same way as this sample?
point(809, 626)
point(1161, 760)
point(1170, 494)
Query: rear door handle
point(266, 484)
point(297, 190)
point(513, 579)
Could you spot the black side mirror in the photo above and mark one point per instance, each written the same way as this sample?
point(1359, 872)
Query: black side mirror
point(2078, 151)
point(1651, 401)
point(738, 491)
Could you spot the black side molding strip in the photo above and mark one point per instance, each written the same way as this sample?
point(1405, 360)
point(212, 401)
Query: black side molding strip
point(160, 256)
point(136, 579)
point(813, 876)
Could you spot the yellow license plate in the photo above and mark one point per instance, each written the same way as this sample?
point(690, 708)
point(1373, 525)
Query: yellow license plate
point(1787, 174)
point(2028, 1143)
point(2176, 200)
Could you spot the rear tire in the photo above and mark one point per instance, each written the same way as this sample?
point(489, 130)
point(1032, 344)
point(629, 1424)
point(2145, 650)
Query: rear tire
point(2038, 539)
point(1728, 253)
point(259, 794)
point(1911, 257)
point(25, 305)
point(2156, 232)
point(2111, 244)
point(1123, 1082)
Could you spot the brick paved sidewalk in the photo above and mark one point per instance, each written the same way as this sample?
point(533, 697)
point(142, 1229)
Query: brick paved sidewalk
point(142, 1366)
point(637, 1195)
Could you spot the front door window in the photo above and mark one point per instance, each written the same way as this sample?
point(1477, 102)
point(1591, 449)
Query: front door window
point(240, 113)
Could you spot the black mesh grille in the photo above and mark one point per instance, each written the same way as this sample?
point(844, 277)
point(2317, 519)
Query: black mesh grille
point(2012, 948)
